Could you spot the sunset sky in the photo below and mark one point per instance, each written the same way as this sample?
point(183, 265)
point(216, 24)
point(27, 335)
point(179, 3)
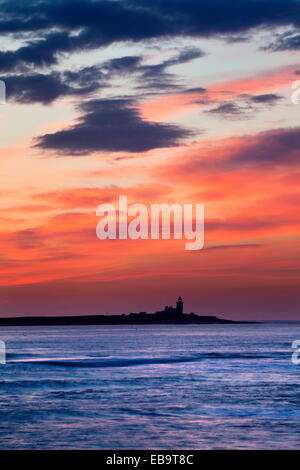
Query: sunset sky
point(176, 101)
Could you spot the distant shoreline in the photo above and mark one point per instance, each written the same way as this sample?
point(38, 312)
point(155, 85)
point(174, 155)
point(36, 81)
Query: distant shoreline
point(131, 319)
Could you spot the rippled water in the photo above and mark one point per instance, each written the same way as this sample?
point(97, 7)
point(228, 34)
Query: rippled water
point(158, 387)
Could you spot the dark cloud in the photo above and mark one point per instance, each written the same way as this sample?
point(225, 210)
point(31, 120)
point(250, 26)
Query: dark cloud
point(32, 87)
point(280, 147)
point(271, 150)
point(244, 106)
point(186, 55)
point(237, 38)
point(70, 26)
point(123, 65)
point(152, 76)
point(230, 110)
point(195, 90)
point(39, 53)
point(268, 149)
point(59, 26)
point(111, 125)
point(226, 108)
point(156, 76)
point(286, 41)
point(269, 98)
point(45, 89)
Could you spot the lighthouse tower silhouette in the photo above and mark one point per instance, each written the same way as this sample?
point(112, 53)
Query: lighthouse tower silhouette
point(179, 306)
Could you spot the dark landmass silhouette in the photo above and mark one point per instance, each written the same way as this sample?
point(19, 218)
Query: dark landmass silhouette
point(131, 319)
point(167, 316)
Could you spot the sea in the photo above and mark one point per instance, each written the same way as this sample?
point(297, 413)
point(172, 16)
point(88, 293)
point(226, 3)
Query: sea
point(150, 387)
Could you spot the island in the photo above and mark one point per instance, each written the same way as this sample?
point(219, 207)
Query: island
point(169, 315)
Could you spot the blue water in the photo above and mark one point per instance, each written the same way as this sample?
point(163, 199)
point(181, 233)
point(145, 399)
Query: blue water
point(158, 387)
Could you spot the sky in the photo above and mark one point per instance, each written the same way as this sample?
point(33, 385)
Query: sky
point(176, 101)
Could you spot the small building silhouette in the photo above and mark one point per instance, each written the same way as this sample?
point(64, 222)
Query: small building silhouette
point(179, 306)
point(170, 310)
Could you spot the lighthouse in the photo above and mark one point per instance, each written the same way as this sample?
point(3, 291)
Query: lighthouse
point(179, 306)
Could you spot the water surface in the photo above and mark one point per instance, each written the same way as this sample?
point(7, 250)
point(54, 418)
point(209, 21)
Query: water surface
point(150, 386)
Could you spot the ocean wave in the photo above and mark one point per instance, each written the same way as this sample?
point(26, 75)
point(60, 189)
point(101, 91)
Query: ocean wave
point(103, 361)
point(20, 355)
